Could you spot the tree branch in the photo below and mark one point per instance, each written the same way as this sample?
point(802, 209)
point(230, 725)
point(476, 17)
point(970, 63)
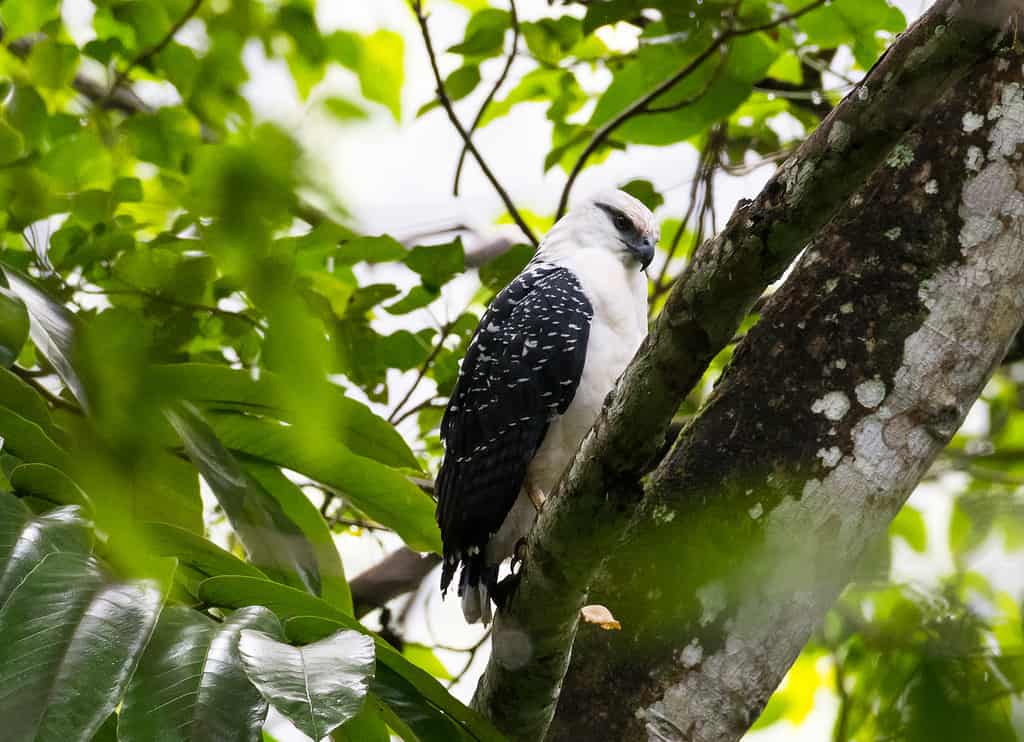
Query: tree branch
point(490, 96)
point(397, 574)
point(158, 47)
point(449, 109)
point(759, 514)
point(641, 104)
point(702, 313)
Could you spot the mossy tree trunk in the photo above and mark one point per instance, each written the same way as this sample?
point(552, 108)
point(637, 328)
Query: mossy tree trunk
point(859, 372)
point(723, 560)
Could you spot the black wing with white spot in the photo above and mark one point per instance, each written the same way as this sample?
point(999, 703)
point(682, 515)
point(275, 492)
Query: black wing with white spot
point(520, 372)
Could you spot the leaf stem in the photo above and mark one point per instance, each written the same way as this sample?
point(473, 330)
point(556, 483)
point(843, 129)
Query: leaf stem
point(446, 103)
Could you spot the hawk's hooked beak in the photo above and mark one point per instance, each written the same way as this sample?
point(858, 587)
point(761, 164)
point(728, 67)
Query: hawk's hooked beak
point(643, 250)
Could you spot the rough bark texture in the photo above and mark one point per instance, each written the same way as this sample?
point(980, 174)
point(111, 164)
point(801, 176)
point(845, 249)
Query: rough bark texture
point(861, 369)
point(595, 501)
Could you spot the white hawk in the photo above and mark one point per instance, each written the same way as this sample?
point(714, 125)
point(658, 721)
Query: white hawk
point(546, 353)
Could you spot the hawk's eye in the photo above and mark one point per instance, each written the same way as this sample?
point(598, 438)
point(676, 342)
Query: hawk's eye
point(621, 222)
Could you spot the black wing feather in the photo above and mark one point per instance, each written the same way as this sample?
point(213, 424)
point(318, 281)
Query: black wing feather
point(521, 370)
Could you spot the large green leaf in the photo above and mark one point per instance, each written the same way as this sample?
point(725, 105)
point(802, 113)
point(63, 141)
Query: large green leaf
point(381, 492)
point(749, 57)
point(334, 586)
point(356, 427)
point(13, 326)
point(190, 685)
point(23, 17)
point(274, 542)
point(18, 396)
point(201, 556)
point(28, 441)
point(52, 329)
point(71, 639)
point(48, 483)
point(319, 686)
point(25, 539)
point(414, 692)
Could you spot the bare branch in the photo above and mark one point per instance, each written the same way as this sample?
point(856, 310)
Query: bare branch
point(640, 104)
point(449, 109)
point(490, 96)
point(442, 335)
point(399, 573)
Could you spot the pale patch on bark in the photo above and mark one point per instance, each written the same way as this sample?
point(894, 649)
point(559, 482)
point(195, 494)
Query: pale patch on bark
point(945, 363)
point(833, 405)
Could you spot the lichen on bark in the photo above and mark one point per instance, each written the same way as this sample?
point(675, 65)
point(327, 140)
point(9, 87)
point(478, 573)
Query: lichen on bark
point(932, 316)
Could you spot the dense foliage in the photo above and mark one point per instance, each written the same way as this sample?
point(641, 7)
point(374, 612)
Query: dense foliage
point(175, 307)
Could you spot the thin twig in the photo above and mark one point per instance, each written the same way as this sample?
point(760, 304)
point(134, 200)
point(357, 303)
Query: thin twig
point(158, 47)
point(839, 732)
point(640, 104)
point(490, 96)
point(175, 303)
point(712, 79)
point(57, 401)
point(394, 417)
point(429, 403)
point(446, 103)
point(702, 193)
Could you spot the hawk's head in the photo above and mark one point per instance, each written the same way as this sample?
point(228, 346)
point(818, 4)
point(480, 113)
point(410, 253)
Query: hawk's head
point(610, 220)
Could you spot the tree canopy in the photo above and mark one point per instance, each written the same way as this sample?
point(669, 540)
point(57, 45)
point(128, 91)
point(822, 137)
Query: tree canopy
point(212, 384)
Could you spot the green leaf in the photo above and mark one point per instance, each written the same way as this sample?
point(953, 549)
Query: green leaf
point(190, 685)
point(853, 22)
point(12, 145)
point(319, 686)
point(437, 264)
point(422, 656)
point(356, 427)
point(378, 249)
point(417, 298)
point(307, 619)
point(273, 541)
point(18, 396)
point(306, 516)
point(749, 58)
point(26, 112)
point(52, 64)
point(25, 539)
point(28, 441)
point(71, 639)
point(13, 326)
point(462, 81)
point(644, 191)
point(910, 526)
point(485, 33)
point(51, 327)
point(24, 17)
point(366, 726)
point(51, 484)
point(380, 492)
point(496, 274)
point(378, 61)
point(196, 552)
point(344, 110)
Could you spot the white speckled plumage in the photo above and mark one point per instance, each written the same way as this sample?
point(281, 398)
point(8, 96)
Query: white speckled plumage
point(584, 286)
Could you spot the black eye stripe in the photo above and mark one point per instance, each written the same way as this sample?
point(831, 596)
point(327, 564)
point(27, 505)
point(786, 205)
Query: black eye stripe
point(622, 222)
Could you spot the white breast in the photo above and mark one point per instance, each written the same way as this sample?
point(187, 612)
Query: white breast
point(619, 299)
